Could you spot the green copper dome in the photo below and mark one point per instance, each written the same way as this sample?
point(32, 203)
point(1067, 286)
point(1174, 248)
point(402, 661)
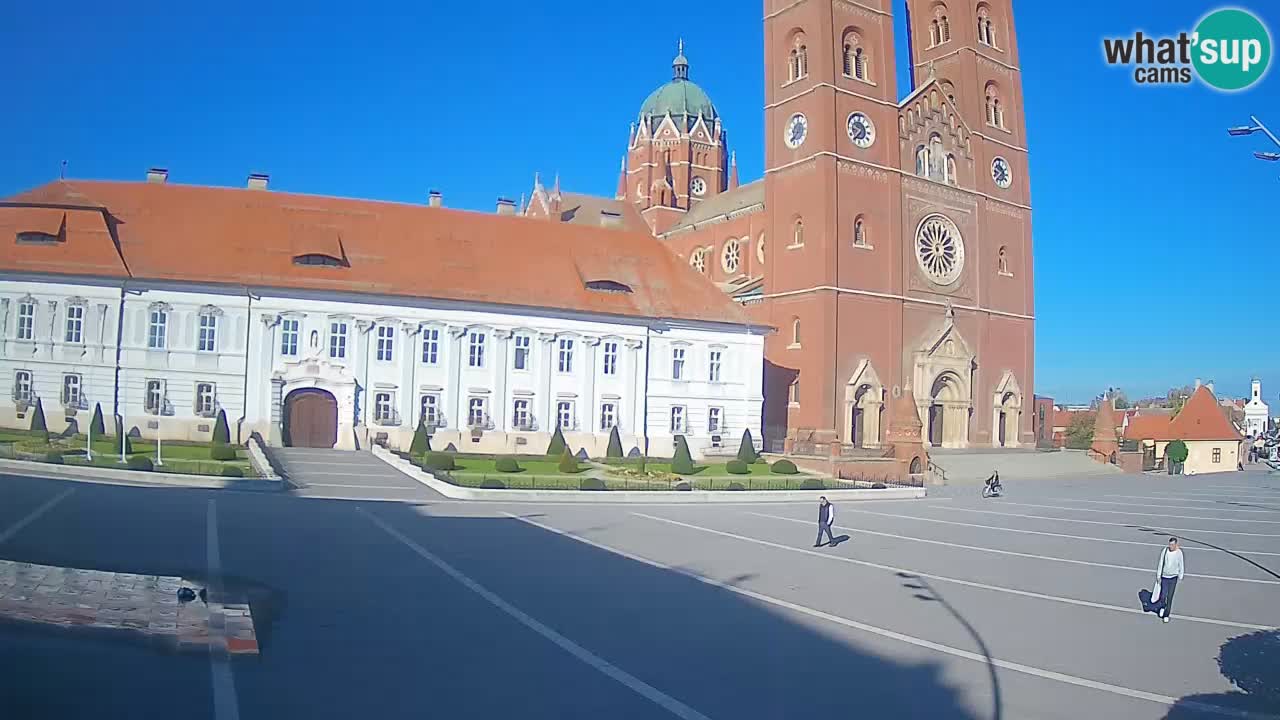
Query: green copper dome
point(680, 98)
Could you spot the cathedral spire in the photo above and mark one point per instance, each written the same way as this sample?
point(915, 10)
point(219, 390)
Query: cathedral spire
point(733, 170)
point(622, 181)
point(680, 66)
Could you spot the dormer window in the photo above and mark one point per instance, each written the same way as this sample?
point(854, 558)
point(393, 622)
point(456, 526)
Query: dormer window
point(318, 259)
point(609, 286)
point(34, 237)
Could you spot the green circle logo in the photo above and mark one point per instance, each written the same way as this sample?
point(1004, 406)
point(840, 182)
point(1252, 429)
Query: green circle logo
point(1232, 49)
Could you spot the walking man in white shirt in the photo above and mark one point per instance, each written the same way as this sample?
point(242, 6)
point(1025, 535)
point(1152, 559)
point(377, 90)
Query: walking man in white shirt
point(1168, 573)
point(826, 516)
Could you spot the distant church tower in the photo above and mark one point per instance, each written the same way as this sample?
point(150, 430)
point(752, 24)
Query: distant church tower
point(676, 154)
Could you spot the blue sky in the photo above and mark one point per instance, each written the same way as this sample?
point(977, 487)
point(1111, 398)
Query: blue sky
point(1155, 233)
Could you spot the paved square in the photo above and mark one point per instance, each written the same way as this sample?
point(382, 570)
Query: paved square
point(951, 607)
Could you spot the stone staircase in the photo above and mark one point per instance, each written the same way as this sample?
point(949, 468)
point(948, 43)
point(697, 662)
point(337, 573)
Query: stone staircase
point(967, 467)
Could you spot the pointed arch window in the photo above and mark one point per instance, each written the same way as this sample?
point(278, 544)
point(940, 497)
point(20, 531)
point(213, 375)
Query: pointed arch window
point(804, 61)
point(795, 333)
point(797, 234)
point(995, 109)
point(935, 33)
point(856, 61)
point(950, 170)
point(798, 65)
point(985, 35)
point(945, 27)
point(922, 161)
point(936, 167)
point(1004, 262)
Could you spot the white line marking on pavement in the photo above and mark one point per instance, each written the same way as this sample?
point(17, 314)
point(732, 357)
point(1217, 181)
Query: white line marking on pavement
point(1146, 514)
point(948, 543)
point(1161, 527)
point(1177, 498)
point(1222, 496)
point(654, 695)
point(316, 473)
point(893, 635)
point(365, 487)
point(35, 515)
point(845, 508)
point(944, 578)
point(1154, 506)
point(225, 705)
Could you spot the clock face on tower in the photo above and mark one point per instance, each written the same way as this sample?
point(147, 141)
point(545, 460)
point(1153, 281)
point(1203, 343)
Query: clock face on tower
point(862, 132)
point(699, 186)
point(796, 131)
point(1001, 173)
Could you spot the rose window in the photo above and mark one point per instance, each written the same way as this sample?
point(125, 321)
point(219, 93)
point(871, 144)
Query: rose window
point(732, 256)
point(939, 249)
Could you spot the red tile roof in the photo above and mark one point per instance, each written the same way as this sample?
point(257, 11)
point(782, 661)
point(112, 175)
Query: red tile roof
point(251, 237)
point(1147, 427)
point(1202, 419)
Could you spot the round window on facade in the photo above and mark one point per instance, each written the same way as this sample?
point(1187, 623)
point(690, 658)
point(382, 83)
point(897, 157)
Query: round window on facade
point(732, 257)
point(698, 260)
point(939, 249)
point(760, 249)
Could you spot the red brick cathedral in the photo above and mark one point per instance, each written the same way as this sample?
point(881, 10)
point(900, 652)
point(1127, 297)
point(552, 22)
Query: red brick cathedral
point(889, 241)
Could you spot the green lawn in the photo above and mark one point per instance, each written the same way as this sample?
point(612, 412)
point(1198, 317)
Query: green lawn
point(532, 465)
point(178, 457)
point(713, 470)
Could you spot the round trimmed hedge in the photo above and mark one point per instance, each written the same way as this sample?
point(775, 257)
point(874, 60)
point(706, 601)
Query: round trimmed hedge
point(736, 486)
point(783, 467)
point(438, 461)
point(813, 484)
point(493, 483)
point(737, 467)
point(592, 483)
point(684, 486)
point(232, 471)
point(140, 462)
point(507, 465)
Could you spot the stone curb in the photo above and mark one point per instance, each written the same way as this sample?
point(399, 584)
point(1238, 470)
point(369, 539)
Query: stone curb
point(137, 477)
point(454, 492)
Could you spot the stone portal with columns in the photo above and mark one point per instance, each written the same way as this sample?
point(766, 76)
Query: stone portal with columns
point(942, 378)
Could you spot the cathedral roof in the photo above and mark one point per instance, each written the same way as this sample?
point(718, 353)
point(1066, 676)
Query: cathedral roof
point(246, 238)
point(722, 205)
point(679, 98)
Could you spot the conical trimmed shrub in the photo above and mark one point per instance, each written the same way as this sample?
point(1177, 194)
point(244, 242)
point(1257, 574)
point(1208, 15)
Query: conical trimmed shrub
point(747, 450)
point(38, 426)
point(421, 442)
point(568, 463)
point(97, 426)
point(558, 444)
point(682, 462)
point(615, 444)
point(221, 433)
point(122, 438)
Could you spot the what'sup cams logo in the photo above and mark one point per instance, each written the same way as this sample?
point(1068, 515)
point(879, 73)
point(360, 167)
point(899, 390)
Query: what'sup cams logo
point(1229, 50)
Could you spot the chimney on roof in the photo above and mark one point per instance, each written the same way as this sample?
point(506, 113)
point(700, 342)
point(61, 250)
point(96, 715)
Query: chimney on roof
point(258, 181)
point(1198, 383)
point(506, 206)
point(435, 199)
point(159, 176)
point(610, 219)
point(1209, 385)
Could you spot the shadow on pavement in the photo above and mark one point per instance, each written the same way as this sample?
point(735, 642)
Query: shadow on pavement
point(1251, 663)
point(1206, 543)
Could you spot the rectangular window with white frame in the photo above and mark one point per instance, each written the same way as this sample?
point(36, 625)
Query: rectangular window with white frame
point(477, 412)
point(22, 386)
point(564, 414)
point(206, 400)
point(523, 349)
point(608, 416)
point(521, 418)
point(475, 349)
point(429, 407)
point(154, 399)
point(71, 396)
point(289, 330)
point(75, 324)
point(338, 339)
point(715, 421)
point(157, 329)
point(384, 408)
point(1217, 455)
point(386, 343)
point(677, 363)
point(430, 346)
point(678, 423)
point(27, 320)
point(714, 363)
point(208, 340)
point(610, 358)
point(565, 365)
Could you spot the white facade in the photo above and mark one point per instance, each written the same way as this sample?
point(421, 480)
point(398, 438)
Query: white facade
point(1255, 411)
point(492, 379)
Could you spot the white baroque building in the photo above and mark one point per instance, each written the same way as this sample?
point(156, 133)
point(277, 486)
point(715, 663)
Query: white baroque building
point(340, 323)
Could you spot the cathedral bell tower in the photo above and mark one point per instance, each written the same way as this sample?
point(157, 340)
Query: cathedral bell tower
point(830, 137)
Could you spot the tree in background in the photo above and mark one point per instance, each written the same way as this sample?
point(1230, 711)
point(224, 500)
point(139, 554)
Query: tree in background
point(1080, 431)
point(1176, 453)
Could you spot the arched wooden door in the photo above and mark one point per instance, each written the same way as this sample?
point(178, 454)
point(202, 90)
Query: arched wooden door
point(310, 419)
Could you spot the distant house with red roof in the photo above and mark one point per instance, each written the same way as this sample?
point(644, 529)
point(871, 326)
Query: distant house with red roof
point(1213, 444)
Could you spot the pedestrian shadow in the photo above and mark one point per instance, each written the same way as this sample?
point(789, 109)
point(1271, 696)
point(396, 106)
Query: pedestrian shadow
point(930, 594)
point(838, 540)
point(1252, 663)
point(1206, 543)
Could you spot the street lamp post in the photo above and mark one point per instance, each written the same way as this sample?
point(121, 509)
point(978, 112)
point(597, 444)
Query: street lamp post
point(1256, 127)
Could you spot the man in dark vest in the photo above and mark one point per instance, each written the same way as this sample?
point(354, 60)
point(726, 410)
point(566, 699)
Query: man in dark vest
point(826, 516)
